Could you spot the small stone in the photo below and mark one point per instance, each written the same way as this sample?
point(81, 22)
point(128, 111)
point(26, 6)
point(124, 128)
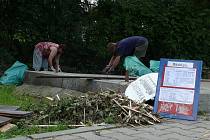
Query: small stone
point(7, 127)
point(98, 133)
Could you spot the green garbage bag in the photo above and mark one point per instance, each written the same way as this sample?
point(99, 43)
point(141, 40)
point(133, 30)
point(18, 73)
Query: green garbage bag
point(154, 65)
point(135, 67)
point(14, 75)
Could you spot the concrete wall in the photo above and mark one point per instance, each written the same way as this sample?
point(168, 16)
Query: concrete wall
point(80, 84)
point(204, 100)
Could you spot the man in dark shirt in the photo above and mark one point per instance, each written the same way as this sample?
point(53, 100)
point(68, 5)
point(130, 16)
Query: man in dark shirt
point(126, 47)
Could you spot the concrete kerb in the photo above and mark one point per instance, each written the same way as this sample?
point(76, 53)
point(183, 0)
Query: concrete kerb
point(20, 138)
point(66, 132)
point(72, 131)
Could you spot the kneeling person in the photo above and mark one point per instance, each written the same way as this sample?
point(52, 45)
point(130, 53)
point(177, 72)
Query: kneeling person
point(126, 47)
point(47, 54)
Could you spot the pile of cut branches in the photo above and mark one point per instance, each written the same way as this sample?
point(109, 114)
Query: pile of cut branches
point(94, 108)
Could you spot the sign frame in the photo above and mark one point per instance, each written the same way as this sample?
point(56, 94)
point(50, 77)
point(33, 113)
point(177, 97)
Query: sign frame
point(193, 64)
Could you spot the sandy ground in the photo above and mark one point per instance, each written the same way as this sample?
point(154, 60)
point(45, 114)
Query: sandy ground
point(46, 91)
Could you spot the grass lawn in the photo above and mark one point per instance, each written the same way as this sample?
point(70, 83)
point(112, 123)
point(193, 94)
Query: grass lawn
point(9, 97)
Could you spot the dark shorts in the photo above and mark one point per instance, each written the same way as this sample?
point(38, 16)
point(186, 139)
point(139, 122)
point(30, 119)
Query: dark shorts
point(141, 49)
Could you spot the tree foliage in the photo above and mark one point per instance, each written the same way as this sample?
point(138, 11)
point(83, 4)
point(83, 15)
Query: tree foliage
point(175, 29)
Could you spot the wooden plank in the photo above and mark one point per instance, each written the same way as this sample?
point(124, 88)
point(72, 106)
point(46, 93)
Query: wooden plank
point(4, 120)
point(6, 107)
point(14, 114)
point(89, 77)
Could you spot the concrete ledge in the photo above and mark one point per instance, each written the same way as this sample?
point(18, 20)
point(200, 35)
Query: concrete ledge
point(80, 84)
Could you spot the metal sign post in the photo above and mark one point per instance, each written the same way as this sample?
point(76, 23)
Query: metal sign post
point(178, 88)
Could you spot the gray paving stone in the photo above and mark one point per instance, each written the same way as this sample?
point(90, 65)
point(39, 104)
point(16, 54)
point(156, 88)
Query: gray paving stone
point(206, 135)
point(207, 138)
point(187, 127)
point(139, 127)
point(92, 136)
point(199, 129)
point(201, 135)
point(104, 132)
point(181, 125)
point(197, 135)
point(120, 136)
point(180, 131)
point(161, 127)
point(204, 124)
point(175, 121)
point(160, 132)
point(147, 129)
point(175, 136)
point(204, 121)
point(154, 131)
point(148, 136)
point(58, 139)
point(64, 137)
point(126, 131)
point(70, 131)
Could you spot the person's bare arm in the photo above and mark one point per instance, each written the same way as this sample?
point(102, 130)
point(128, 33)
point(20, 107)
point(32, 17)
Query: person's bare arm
point(116, 61)
point(53, 52)
point(126, 76)
point(111, 61)
point(57, 62)
point(109, 65)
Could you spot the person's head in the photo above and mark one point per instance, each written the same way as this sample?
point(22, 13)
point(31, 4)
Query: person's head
point(111, 47)
point(60, 48)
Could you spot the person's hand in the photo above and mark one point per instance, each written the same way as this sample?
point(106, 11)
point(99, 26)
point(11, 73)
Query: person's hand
point(106, 69)
point(110, 70)
point(53, 69)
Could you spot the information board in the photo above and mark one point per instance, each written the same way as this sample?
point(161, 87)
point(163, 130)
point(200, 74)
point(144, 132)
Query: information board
point(178, 88)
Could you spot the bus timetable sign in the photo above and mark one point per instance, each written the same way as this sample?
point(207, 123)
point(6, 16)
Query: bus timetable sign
point(178, 88)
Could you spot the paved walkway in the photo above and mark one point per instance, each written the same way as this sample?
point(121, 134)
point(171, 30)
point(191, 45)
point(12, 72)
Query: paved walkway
point(169, 130)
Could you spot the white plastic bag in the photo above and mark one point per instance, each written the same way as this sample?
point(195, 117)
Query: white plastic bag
point(143, 88)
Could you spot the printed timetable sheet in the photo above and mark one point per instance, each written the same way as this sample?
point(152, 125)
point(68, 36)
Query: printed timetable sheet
point(179, 77)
